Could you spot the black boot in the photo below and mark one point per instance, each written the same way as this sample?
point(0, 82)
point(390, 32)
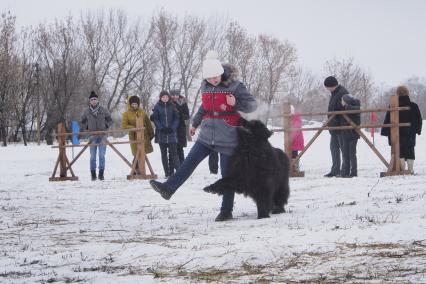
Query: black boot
point(101, 175)
point(93, 175)
point(161, 189)
point(223, 216)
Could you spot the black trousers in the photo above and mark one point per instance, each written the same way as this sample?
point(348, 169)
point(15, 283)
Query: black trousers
point(406, 148)
point(349, 165)
point(169, 158)
point(335, 150)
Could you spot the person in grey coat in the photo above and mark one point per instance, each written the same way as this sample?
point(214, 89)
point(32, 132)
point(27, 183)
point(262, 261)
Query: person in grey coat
point(335, 104)
point(222, 97)
point(96, 118)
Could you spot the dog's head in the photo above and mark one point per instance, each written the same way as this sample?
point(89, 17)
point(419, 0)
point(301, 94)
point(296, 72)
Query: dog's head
point(253, 131)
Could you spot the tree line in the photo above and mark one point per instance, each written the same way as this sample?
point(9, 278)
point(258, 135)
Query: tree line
point(47, 71)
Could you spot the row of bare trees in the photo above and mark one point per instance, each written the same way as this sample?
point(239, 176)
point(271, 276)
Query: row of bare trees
point(47, 71)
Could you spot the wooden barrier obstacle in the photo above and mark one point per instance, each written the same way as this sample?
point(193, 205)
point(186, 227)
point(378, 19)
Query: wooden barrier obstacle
point(393, 166)
point(137, 167)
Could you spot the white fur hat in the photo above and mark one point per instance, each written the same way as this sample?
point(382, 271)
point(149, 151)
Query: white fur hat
point(211, 65)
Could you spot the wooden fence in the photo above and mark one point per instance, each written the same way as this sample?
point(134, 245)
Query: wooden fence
point(137, 166)
point(393, 166)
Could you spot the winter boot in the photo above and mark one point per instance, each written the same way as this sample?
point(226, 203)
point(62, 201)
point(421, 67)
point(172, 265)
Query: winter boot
point(410, 164)
point(101, 175)
point(93, 175)
point(402, 164)
point(223, 216)
point(161, 189)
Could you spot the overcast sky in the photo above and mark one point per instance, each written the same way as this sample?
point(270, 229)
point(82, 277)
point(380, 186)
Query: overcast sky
point(385, 37)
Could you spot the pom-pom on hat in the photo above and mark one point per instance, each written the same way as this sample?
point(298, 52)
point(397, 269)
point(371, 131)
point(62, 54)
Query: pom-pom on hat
point(211, 65)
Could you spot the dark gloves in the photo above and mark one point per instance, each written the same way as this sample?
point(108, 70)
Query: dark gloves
point(167, 130)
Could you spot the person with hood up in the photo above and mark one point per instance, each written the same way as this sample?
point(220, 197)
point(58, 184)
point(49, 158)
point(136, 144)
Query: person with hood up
point(183, 112)
point(350, 137)
point(128, 121)
point(166, 120)
point(298, 143)
point(407, 134)
point(335, 104)
point(96, 118)
point(222, 97)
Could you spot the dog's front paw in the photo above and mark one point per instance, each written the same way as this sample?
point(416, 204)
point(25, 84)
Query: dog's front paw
point(208, 189)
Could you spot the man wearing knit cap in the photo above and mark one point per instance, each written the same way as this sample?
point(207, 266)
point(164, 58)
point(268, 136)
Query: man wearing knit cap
point(335, 104)
point(222, 97)
point(96, 118)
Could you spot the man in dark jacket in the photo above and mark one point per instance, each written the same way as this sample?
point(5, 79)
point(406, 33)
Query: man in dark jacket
point(350, 137)
point(222, 97)
point(407, 135)
point(335, 104)
point(96, 118)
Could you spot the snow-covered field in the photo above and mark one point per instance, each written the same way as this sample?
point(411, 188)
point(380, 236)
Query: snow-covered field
point(362, 230)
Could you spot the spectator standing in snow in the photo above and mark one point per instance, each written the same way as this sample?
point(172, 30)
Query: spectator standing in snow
point(222, 96)
point(166, 120)
point(96, 118)
point(407, 135)
point(128, 121)
point(183, 112)
point(350, 137)
point(335, 104)
point(297, 140)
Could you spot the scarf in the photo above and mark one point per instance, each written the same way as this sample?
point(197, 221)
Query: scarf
point(94, 110)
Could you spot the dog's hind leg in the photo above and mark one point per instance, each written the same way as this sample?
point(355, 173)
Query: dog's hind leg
point(280, 198)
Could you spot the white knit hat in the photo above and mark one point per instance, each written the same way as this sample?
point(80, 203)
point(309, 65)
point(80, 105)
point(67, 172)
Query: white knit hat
point(211, 65)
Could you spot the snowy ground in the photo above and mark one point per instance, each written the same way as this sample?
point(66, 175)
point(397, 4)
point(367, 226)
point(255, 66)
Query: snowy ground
point(367, 229)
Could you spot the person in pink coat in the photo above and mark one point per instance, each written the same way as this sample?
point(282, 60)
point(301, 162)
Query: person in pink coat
point(298, 143)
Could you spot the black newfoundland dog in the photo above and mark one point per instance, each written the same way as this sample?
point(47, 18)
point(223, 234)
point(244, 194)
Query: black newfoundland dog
point(257, 169)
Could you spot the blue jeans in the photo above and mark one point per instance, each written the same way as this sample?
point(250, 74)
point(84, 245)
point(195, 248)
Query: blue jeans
point(197, 154)
point(102, 149)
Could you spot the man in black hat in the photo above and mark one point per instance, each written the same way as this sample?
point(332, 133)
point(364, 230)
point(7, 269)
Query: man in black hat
point(335, 104)
point(96, 118)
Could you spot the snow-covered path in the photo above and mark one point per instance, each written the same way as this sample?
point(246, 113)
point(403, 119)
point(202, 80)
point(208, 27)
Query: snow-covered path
point(365, 229)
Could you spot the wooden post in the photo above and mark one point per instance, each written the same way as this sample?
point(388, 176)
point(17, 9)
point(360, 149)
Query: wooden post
point(394, 164)
point(62, 159)
point(138, 170)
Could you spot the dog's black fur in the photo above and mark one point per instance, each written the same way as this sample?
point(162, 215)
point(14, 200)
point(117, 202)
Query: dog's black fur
point(257, 169)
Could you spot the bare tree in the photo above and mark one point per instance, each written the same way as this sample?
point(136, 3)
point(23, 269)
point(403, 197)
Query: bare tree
point(188, 51)
point(300, 84)
point(276, 58)
point(353, 77)
point(97, 48)
point(7, 42)
point(63, 61)
point(25, 83)
point(165, 28)
point(128, 50)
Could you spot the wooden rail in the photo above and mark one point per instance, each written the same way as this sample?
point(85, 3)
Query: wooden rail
point(393, 166)
point(137, 166)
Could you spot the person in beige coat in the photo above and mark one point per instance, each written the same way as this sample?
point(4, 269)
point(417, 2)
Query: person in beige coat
point(128, 121)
